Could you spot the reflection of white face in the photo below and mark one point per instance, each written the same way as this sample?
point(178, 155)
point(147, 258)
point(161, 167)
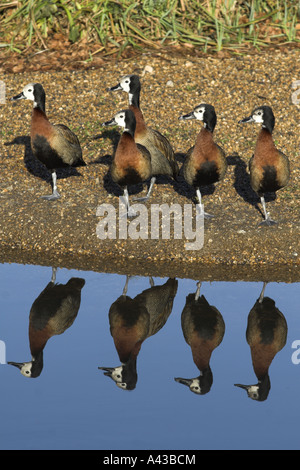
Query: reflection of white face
point(253, 389)
point(125, 83)
point(195, 386)
point(28, 92)
point(117, 377)
point(258, 116)
point(117, 374)
point(26, 367)
point(199, 112)
point(122, 385)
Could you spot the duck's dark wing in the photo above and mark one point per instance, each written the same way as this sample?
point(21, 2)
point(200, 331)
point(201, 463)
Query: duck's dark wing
point(250, 163)
point(58, 303)
point(129, 315)
point(158, 300)
point(145, 152)
point(68, 145)
point(67, 134)
point(163, 144)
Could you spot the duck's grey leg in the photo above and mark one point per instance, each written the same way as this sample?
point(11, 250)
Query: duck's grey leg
point(130, 211)
point(53, 277)
point(55, 194)
point(267, 220)
point(261, 297)
point(200, 207)
point(143, 199)
point(125, 289)
point(198, 290)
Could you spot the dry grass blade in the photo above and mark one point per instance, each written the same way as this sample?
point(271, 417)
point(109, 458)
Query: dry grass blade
point(150, 23)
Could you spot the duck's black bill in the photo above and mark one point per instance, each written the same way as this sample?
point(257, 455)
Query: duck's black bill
point(112, 122)
point(115, 88)
point(19, 365)
point(108, 370)
point(182, 381)
point(20, 96)
point(247, 119)
point(244, 387)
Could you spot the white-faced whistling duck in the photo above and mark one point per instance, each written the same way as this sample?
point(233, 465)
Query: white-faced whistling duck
point(266, 335)
point(54, 310)
point(205, 163)
point(56, 146)
point(131, 162)
point(162, 154)
point(203, 329)
point(134, 320)
point(269, 168)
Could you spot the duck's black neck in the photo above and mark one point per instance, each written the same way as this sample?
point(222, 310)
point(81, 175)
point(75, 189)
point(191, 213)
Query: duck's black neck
point(129, 132)
point(40, 104)
point(268, 127)
point(130, 123)
point(210, 125)
point(39, 98)
point(134, 99)
point(37, 364)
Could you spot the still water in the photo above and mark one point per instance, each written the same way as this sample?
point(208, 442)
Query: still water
point(69, 403)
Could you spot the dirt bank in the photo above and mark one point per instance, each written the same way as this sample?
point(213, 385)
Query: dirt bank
point(64, 232)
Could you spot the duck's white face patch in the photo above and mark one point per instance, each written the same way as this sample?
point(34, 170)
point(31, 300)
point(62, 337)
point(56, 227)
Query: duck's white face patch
point(28, 92)
point(258, 116)
point(199, 112)
point(125, 83)
point(120, 119)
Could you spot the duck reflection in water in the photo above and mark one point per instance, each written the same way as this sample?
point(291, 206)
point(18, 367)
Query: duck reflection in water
point(134, 320)
point(266, 335)
point(54, 310)
point(203, 329)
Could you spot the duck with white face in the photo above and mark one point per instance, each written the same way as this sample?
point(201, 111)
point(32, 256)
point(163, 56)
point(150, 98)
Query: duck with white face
point(269, 167)
point(131, 321)
point(203, 329)
point(28, 93)
point(124, 376)
point(130, 84)
point(52, 313)
point(205, 163)
point(131, 162)
point(266, 335)
point(199, 385)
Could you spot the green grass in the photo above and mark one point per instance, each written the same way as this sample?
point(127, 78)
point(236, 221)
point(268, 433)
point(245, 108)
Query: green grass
point(115, 26)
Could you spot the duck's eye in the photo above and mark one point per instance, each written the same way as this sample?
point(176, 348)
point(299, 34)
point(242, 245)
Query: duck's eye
point(259, 113)
point(27, 372)
point(126, 81)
